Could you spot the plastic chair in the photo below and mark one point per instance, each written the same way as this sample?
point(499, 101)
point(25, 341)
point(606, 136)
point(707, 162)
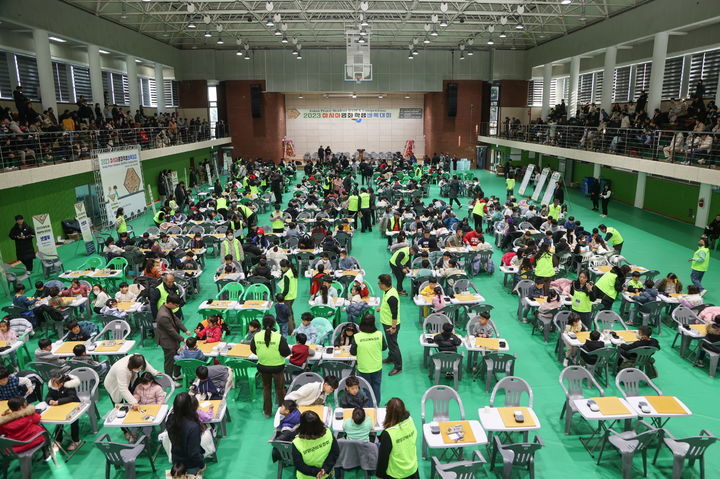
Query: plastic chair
point(92, 263)
point(441, 398)
point(147, 325)
point(257, 292)
point(689, 449)
point(573, 380)
point(519, 454)
point(323, 311)
point(243, 369)
point(445, 362)
point(290, 372)
point(122, 456)
point(629, 443)
point(364, 386)
point(324, 329)
point(495, 363)
point(643, 357)
point(433, 323)
point(303, 379)
point(683, 316)
point(117, 262)
point(514, 387)
point(522, 288)
point(629, 380)
point(25, 458)
point(339, 369)
point(607, 319)
point(605, 361)
point(233, 291)
point(117, 330)
point(187, 369)
point(353, 455)
point(50, 263)
point(167, 383)
point(88, 392)
point(458, 470)
point(284, 452)
point(44, 370)
point(16, 274)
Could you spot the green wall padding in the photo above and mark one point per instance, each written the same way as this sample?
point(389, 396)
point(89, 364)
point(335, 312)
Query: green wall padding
point(550, 162)
point(581, 170)
point(671, 198)
point(178, 162)
point(623, 184)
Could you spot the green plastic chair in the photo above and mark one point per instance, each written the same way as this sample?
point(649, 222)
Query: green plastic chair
point(339, 288)
point(243, 318)
point(257, 292)
point(322, 311)
point(234, 292)
point(91, 263)
point(118, 263)
point(243, 369)
point(187, 369)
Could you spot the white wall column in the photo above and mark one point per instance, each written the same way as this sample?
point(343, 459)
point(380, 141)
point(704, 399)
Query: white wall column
point(717, 96)
point(98, 95)
point(574, 86)
point(640, 190)
point(547, 78)
point(597, 168)
point(608, 78)
point(703, 212)
point(657, 72)
point(133, 83)
point(160, 88)
point(44, 66)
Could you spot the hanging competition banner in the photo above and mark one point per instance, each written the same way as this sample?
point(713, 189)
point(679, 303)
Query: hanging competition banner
point(85, 227)
point(122, 181)
point(540, 183)
point(152, 200)
point(547, 198)
point(174, 179)
point(209, 175)
point(526, 179)
point(44, 234)
point(355, 114)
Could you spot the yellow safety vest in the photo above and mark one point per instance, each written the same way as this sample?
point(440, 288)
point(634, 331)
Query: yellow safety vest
point(393, 258)
point(122, 225)
point(221, 203)
point(292, 288)
point(544, 266)
point(385, 313)
point(225, 246)
point(268, 355)
point(353, 203)
point(703, 265)
point(369, 351)
point(616, 237)
point(403, 460)
point(479, 208)
point(606, 284)
point(364, 201)
point(314, 451)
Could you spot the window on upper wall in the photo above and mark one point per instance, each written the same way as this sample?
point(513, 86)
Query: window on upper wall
point(148, 92)
point(115, 88)
point(107, 87)
point(585, 84)
point(171, 93)
point(535, 92)
point(642, 79)
point(81, 83)
point(672, 78)
point(27, 74)
point(63, 86)
point(597, 87)
point(5, 83)
point(705, 66)
point(212, 108)
point(621, 85)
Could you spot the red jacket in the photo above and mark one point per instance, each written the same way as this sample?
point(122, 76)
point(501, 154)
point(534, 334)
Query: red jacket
point(22, 425)
point(473, 238)
point(300, 354)
point(211, 334)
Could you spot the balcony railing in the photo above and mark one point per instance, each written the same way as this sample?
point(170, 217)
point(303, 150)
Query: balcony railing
point(699, 148)
point(31, 149)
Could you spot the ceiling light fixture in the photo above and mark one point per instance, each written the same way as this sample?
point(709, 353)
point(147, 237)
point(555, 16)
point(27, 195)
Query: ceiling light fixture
point(519, 26)
point(284, 40)
point(299, 57)
point(363, 32)
point(426, 40)
point(57, 39)
point(138, 61)
point(300, 97)
point(247, 55)
point(192, 24)
point(434, 31)
point(416, 52)
point(566, 2)
point(462, 55)
point(470, 52)
point(207, 34)
point(503, 34)
point(123, 12)
point(295, 52)
point(104, 52)
point(381, 97)
point(354, 95)
point(407, 97)
point(443, 22)
point(278, 32)
point(363, 21)
point(269, 22)
point(490, 41)
point(410, 56)
point(220, 41)
point(361, 39)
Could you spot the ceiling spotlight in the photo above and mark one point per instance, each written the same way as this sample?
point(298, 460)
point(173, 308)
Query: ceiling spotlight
point(363, 32)
point(426, 40)
point(381, 97)
point(247, 56)
point(434, 32)
point(565, 2)
point(470, 52)
point(490, 41)
point(410, 56)
point(239, 53)
point(146, 0)
point(443, 22)
point(519, 26)
point(462, 55)
point(284, 40)
point(295, 52)
point(207, 34)
point(57, 39)
point(123, 12)
point(220, 41)
point(407, 97)
point(278, 32)
point(354, 95)
point(300, 97)
point(503, 35)
point(363, 21)
point(104, 52)
point(192, 24)
point(269, 22)
point(415, 52)
point(138, 60)
point(299, 57)
point(361, 40)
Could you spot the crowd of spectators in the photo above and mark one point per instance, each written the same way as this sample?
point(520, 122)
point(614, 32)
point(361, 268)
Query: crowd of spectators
point(30, 138)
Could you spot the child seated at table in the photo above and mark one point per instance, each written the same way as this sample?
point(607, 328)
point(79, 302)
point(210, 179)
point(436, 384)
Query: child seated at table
point(204, 387)
point(111, 309)
point(346, 262)
point(574, 325)
point(282, 314)
point(536, 291)
point(427, 293)
point(446, 341)
point(347, 336)
point(7, 334)
point(692, 298)
point(593, 343)
point(189, 263)
point(438, 301)
point(24, 303)
point(358, 426)
point(61, 390)
point(125, 295)
point(20, 423)
point(357, 305)
point(41, 291)
point(312, 394)
point(75, 332)
point(648, 295)
point(353, 396)
point(482, 328)
point(190, 351)
point(325, 262)
point(228, 267)
point(551, 304)
point(81, 355)
point(289, 422)
point(300, 352)
point(44, 354)
point(148, 391)
point(213, 332)
point(317, 278)
point(307, 328)
point(253, 329)
point(634, 285)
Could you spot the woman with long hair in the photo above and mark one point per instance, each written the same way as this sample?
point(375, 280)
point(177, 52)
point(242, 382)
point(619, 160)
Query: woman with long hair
point(314, 450)
point(271, 349)
point(185, 429)
point(289, 287)
point(397, 457)
point(368, 348)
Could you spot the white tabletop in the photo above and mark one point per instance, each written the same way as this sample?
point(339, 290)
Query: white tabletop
point(334, 302)
point(14, 346)
point(583, 408)
point(635, 401)
point(575, 342)
point(469, 342)
point(435, 441)
point(565, 300)
point(327, 419)
point(76, 302)
point(231, 306)
point(228, 277)
point(478, 298)
point(111, 420)
point(216, 349)
point(491, 420)
point(337, 424)
point(508, 269)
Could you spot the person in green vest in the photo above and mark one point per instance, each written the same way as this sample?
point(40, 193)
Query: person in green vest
point(353, 206)
point(159, 217)
point(509, 186)
point(612, 237)
point(271, 349)
point(222, 206)
point(120, 223)
point(610, 284)
point(582, 298)
point(365, 210)
point(544, 267)
point(249, 215)
point(554, 210)
point(367, 348)
point(288, 288)
point(314, 450)
point(390, 319)
point(478, 211)
point(397, 456)
point(277, 221)
point(158, 295)
point(232, 246)
point(399, 265)
point(700, 262)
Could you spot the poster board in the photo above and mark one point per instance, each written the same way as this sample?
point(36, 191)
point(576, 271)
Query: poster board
point(209, 174)
point(547, 197)
point(44, 234)
point(152, 200)
point(85, 227)
point(540, 183)
point(174, 179)
point(526, 179)
point(122, 181)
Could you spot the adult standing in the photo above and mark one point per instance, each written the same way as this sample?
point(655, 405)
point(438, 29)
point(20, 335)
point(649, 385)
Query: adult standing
point(612, 237)
point(610, 284)
point(167, 333)
point(21, 103)
point(365, 210)
point(122, 376)
point(162, 186)
point(185, 430)
point(712, 231)
point(544, 267)
point(367, 348)
point(478, 211)
point(595, 194)
point(454, 191)
point(390, 319)
point(398, 262)
point(159, 294)
point(271, 349)
point(289, 288)
point(22, 233)
point(321, 153)
point(582, 298)
point(700, 262)
point(314, 450)
point(397, 456)
point(120, 222)
point(180, 195)
point(605, 199)
point(509, 186)
point(353, 206)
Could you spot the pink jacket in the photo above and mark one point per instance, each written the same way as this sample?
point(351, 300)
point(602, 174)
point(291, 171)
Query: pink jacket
point(149, 394)
point(708, 314)
point(562, 284)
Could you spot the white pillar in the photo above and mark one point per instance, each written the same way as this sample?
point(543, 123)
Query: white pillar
point(703, 212)
point(640, 190)
point(160, 88)
point(608, 78)
point(717, 95)
point(547, 78)
point(44, 67)
point(10, 62)
point(574, 86)
point(133, 83)
point(597, 168)
point(98, 95)
point(657, 72)
point(685, 79)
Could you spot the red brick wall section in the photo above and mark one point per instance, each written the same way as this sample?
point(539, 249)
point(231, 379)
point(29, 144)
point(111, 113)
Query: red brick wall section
point(193, 93)
point(455, 135)
point(255, 137)
point(513, 93)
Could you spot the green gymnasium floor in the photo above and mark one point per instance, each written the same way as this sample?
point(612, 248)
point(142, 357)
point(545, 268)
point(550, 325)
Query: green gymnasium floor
point(651, 240)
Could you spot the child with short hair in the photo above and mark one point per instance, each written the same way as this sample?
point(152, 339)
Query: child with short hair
point(111, 309)
point(290, 420)
point(307, 328)
point(353, 396)
point(75, 333)
point(282, 314)
point(81, 355)
point(61, 390)
point(253, 328)
point(125, 295)
point(358, 427)
point(190, 351)
point(44, 354)
point(634, 285)
point(574, 325)
point(483, 328)
point(22, 423)
point(300, 352)
point(446, 341)
point(203, 388)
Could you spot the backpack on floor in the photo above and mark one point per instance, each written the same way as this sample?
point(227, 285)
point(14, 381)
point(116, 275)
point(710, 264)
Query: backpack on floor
point(490, 267)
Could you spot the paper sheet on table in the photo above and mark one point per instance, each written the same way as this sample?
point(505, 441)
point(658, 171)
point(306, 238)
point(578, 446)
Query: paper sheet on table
point(468, 436)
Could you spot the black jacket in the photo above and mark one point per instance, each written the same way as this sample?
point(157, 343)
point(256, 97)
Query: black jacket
point(447, 342)
point(187, 449)
point(588, 347)
point(23, 237)
point(384, 454)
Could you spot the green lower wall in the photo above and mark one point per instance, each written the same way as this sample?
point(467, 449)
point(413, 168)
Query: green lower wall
point(623, 184)
point(671, 198)
point(57, 197)
point(581, 170)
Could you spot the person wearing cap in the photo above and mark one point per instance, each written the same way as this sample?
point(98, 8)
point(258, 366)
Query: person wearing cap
point(260, 240)
point(23, 234)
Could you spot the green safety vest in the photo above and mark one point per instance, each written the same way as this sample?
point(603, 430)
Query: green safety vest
point(392, 222)
point(393, 258)
point(163, 297)
point(554, 211)
point(544, 266)
point(157, 218)
point(364, 201)
point(581, 302)
point(268, 355)
point(254, 190)
point(510, 183)
point(606, 284)
point(385, 314)
point(369, 352)
point(616, 237)
point(221, 203)
point(278, 224)
point(635, 284)
point(246, 211)
point(403, 460)
point(292, 289)
point(703, 266)
point(314, 451)
point(235, 252)
point(122, 227)
point(479, 208)
point(353, 203)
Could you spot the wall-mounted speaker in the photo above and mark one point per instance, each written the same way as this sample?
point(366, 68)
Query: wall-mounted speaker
point(452, 99)
point(256, 100)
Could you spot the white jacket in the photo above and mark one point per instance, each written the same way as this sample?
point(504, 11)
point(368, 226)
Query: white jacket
point(119, 378)
point(309, 394)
